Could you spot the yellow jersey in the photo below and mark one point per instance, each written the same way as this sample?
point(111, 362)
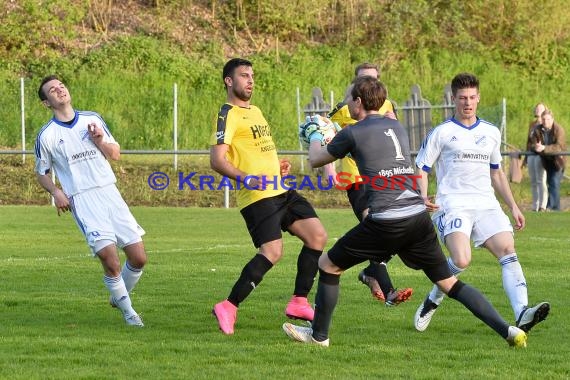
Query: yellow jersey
point(341, 115)
point(251, 150)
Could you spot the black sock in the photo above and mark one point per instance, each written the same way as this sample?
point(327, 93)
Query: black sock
point(473, 300)
point(380, 273)
point(307, 267)
point(325, 302)
point(250, 277)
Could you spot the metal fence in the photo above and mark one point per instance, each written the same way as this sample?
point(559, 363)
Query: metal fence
point(417, 114)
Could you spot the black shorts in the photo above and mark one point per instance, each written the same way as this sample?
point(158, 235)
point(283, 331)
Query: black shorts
point(266, 218)
point(357, 198)
point(413, 239)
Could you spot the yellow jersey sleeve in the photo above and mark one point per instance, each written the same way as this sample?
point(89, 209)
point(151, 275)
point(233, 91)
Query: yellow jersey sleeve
point(386, 107)
point(251, 150)
point(341, 115)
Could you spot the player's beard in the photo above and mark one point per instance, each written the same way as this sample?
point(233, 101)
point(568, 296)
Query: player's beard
point(242, 94)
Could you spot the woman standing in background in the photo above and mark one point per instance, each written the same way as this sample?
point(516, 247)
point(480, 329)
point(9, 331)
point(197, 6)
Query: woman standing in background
point(536, 171)
point(552, 141)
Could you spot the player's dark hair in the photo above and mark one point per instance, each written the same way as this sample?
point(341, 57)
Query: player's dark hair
point(371, 91)
point(464, 80)
point(41, 94)
point(232, 64)
point(364, 66)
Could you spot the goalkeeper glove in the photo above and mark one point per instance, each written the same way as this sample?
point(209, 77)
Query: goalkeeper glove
point(317, 128)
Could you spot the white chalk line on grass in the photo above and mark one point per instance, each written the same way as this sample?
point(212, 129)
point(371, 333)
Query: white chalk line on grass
point(201, 248)
point(193, 249)
point(153, 251)
point(44, 258)
point(542, 238)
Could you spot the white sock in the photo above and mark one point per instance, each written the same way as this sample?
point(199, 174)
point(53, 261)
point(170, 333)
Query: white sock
point(514, 283)
point(118, 291)
point(131, 276)
point(436, 295)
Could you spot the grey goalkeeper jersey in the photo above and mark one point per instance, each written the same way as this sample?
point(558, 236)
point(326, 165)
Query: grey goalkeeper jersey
point(381, 150)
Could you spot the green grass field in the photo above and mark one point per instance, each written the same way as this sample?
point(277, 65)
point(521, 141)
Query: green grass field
point(55, 321)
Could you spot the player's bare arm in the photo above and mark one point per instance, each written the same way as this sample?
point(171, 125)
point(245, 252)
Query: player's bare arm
point(319, 155)
point(222, 166)
point(331, 174)
point(111, 151)
point(423, 182)
point(501, 186)
point(60, 199)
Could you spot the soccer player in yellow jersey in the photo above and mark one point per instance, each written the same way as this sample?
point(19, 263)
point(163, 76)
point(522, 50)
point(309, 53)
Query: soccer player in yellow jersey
point(242, 149)
point(375, 275)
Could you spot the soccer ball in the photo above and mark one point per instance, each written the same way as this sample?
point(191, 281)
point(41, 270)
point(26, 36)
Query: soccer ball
point(325, 128)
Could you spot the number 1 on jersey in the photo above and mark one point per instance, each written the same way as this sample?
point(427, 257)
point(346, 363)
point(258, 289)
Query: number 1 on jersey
point(399, 155)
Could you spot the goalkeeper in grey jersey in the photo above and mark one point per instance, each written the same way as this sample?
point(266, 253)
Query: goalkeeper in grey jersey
point(398, 221)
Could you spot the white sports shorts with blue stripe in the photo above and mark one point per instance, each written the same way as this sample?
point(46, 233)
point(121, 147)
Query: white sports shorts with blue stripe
point(102, 215)
point(479, 225)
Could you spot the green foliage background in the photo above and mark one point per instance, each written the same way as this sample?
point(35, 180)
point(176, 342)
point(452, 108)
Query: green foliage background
point(122, 59)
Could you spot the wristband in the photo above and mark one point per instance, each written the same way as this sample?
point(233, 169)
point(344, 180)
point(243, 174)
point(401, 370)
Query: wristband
point(316, 136)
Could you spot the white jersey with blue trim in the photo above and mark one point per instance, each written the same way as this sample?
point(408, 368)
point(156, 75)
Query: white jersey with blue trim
point(67, 148)
point(463, 157)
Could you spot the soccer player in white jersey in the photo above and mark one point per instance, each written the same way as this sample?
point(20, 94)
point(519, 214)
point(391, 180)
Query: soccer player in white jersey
point(466, 153)
point(77, 146)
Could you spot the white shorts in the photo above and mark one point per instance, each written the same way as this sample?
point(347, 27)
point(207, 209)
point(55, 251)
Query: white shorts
point(102, 214)
point(478, 225)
